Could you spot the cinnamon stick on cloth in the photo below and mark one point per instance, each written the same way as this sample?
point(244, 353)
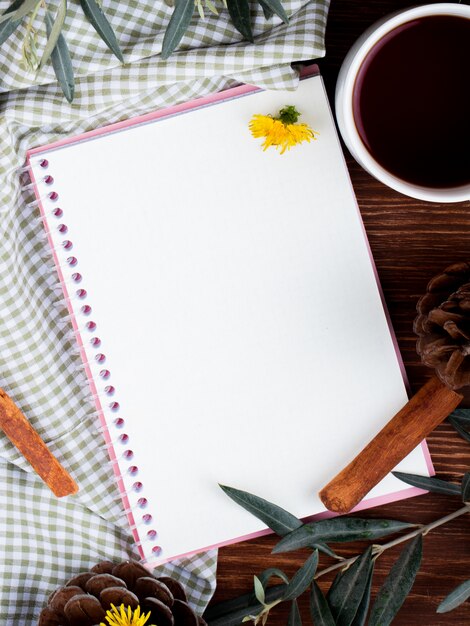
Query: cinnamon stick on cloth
point(22, 435)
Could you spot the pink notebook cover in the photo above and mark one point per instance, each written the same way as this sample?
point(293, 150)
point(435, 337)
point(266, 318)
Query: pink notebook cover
point(142, 520)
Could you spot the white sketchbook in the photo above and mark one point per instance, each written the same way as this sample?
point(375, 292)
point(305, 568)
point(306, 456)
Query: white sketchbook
point(227, 311)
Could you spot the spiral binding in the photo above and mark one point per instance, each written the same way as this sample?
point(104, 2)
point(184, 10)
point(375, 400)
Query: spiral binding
point(70, 291)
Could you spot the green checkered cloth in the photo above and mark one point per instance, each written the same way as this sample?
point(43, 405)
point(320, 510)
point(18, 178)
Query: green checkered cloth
point(46, 540)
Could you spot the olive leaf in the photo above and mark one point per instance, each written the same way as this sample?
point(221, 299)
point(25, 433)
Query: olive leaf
point(237, 608)
point(398, 584)
point(232, 612)
point(466, 487)
point(54, 33)
point(339, 529)
point(430, 483)
point(266, 10)
point(235, 618)
point(7, 29)
point(277, 518)
point(323, 547)
point(347, 590)
point(267, 574)
point(100, 23)
point(275, 6)
point(455, 598)
point(250, 600)
point(61, 62)
point(461, 415)
point(363, 609)
point(460, 420)
point(294, 615)
point(177, 26)
point(302, 578)
point(23, 9)
point(9, 26)
point(239, 11)
point(461, 431)
point(245, 609)
point(259, 590)
point(261, 616)
point(234, 606)
point(319, 609)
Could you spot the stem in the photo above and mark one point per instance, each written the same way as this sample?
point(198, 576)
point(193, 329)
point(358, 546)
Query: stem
point(29, 26)
point(422, 530)
point(29, 56)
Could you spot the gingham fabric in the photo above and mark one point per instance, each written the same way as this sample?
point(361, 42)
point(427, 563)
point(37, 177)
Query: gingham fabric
point(45, 540)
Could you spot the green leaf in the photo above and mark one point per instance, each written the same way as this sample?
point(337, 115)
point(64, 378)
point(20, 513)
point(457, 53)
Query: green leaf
point(235, 618)
point(361, 615)
point(455, 598)
point(234, 605)
point(177, 26)
point(9, 26)
point(338, 529)
point(278, 519)
point(212, 8)
point(7, 29)
point(430, 483)
point(322, 547)
point(462, 416)
point(294, 615)
point(319, 609)
point(302, 578)
point(100, 23)
point(237, 608)
point(13, 7)
point(466, 487)
point(267, 574)
point(461, 431)
point(276, 7)
point(61, 62)
point(348, 589)
point(266, 10)
point(259, 590)
point(398, 584)
point(460, 420)
point(18, 14)
point(239, 11)
point(54, 33)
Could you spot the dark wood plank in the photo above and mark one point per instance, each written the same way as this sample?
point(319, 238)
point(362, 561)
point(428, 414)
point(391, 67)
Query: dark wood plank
point(411, 241)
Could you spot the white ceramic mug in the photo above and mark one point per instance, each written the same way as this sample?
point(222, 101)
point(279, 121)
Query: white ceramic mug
point(344, 101)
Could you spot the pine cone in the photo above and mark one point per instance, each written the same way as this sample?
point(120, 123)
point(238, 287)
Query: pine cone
point(443, 325)
point(85, 598)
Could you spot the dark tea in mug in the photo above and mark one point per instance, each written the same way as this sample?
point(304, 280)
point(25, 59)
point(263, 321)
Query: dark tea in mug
point(411, 101)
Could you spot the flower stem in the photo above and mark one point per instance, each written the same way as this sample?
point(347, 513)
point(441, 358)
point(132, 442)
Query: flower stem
point(422, 530)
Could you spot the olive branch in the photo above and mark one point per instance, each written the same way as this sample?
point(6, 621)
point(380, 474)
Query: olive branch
point(57, 51)
point(348, 601)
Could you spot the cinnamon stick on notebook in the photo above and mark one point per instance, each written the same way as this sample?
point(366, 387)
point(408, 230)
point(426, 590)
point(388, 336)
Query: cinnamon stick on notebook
point(443, 344)
point(20, 432)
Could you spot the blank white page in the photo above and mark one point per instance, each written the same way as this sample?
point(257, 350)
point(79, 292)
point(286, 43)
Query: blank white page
point(237, 307)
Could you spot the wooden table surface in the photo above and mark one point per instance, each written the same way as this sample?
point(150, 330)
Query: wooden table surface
point(411, 241)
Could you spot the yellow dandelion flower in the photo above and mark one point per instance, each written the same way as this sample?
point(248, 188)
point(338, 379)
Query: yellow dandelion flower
point(282, 132)
point(125, 617)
